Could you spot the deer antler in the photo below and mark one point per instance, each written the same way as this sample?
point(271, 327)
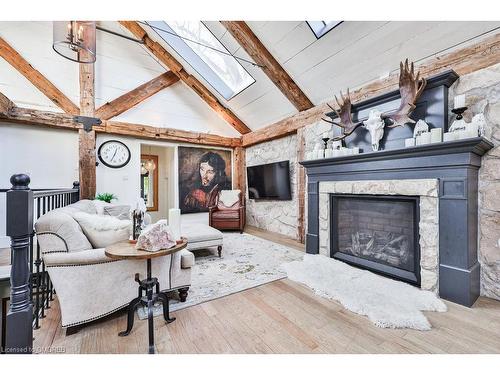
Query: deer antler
point(410, 88)
point(344, 114)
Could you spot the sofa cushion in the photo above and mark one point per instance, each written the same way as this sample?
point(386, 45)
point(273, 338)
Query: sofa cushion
point(121, 212)
point(200, 233)
point(102, 230)
point(226, 214)
point(65, 233)
point(84, 205)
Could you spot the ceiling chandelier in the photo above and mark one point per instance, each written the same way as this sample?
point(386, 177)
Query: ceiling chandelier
point(75, 40)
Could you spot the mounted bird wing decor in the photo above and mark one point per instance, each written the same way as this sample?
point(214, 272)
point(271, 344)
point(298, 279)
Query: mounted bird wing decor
point(411, 87)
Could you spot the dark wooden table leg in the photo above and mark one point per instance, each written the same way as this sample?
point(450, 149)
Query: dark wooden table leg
point(150, 309)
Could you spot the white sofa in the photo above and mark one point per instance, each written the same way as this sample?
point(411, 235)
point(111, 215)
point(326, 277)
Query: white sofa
point(88, 284)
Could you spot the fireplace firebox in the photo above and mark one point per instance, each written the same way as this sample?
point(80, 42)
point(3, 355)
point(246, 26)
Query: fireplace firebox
point(378, 233)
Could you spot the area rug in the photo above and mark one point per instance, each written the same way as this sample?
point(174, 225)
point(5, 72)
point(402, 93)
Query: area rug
point(387, 303)
point(247, 261)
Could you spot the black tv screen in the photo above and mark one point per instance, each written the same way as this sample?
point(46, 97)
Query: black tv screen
point(269, 181)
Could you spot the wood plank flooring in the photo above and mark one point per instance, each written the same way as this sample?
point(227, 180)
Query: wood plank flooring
point(280, 317)
point(5, 256)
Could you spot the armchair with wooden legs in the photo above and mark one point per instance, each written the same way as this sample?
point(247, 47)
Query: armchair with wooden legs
point(227, 210)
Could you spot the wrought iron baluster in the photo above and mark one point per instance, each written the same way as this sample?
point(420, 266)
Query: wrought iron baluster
point(37, 268)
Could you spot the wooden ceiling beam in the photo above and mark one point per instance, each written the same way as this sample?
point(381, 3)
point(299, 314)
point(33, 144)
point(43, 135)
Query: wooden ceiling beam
point(463, 61)
point(5, 104)
point(136, 96)
point(56, 120)
point(273, 69)
point(10, 55)
point(176, 67)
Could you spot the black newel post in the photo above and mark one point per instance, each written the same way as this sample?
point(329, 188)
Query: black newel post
point(19, 331)
point(76, 196)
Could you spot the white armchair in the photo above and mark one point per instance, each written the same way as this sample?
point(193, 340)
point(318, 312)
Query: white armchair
point(89, 285)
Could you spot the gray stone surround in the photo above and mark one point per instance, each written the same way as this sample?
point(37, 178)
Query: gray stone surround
point(482, 90)
point(275, 216)
point(426, 189)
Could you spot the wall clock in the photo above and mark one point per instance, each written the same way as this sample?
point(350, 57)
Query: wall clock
point(114, 154)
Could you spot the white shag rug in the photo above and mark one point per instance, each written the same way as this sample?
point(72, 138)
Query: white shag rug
point(387, 303)
point(247, 261)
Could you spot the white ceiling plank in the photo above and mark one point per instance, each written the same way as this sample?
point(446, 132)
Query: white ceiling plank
point(178, 107)
point(21, 91)
point(381, 52)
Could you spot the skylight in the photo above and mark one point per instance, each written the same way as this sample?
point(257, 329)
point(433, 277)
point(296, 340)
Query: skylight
point(320, 28)
point(201, 49)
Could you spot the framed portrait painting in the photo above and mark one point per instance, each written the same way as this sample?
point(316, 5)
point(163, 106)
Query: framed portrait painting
point(202, 173)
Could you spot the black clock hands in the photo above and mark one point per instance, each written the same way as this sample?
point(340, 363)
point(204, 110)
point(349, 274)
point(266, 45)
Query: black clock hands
point(114, 154)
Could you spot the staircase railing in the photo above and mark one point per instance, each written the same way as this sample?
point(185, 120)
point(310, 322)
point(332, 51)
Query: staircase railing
point(30, 287)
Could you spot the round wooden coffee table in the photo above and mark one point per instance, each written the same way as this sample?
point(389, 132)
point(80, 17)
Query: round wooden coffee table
point(127, 250)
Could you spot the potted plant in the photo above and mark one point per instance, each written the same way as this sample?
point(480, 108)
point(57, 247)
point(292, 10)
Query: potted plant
point(106, 197)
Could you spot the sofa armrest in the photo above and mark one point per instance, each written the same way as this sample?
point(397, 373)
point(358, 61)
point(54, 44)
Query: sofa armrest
point(187, 258)
point(76, 258)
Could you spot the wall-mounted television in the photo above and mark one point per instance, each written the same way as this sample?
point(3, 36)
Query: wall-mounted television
point(269, 181)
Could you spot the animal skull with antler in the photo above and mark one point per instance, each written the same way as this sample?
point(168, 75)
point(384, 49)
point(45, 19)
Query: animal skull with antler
point(411, 87)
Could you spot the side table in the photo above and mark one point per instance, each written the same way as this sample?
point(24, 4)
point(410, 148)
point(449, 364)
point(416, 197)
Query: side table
point(150, 285)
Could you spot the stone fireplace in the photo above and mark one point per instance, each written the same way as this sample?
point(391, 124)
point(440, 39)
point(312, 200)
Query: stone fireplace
point(393, 227)
point(377, 232)
point(442, 179)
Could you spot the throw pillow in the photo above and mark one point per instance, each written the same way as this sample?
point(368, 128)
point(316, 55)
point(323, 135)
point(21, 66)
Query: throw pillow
point(121, 212)
point(103, 231)
point(229, 197)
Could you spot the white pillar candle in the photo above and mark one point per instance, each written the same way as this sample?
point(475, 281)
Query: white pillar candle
point(336, 144)
point(473, 129)
point(425, 138)
point(409, 142)
point(328, 153)
point(336, 153)
point(174, 222)
point(459, 101)
point(355, 150)
point(321, 154)
point(463, 134)
point(450, 136)
point(436, 135)
point(418, 140)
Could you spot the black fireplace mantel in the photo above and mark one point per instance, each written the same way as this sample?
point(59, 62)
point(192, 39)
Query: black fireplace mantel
point(455, 165)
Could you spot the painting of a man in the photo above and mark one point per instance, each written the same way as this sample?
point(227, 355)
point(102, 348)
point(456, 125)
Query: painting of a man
point(202, 173)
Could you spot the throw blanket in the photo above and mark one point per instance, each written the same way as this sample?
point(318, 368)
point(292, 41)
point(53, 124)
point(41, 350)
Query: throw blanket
point(229, 197)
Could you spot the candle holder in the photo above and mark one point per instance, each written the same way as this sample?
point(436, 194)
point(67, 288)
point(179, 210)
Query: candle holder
point(325, 141)
point(459, 112)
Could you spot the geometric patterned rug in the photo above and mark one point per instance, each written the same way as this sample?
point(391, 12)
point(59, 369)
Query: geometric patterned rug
point(247, 261)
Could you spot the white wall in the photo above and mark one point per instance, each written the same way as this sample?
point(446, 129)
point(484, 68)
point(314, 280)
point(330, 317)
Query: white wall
point(48, 156)
point(122, 182)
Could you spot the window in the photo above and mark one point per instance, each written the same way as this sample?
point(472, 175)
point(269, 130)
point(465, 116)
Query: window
point(320, 28)
point(201, 49)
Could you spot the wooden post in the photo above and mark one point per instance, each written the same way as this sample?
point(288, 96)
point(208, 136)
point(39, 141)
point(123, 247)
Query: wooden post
point(301, 182)
point(87, 138)
point(19, 330)
point(240, 169)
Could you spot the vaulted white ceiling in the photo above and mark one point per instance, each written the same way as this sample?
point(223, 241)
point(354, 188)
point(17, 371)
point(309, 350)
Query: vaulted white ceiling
point(350, 55)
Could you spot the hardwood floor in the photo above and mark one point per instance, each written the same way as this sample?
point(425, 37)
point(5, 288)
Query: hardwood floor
point(5, 257)
point(275, 237)
point(280, 317)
